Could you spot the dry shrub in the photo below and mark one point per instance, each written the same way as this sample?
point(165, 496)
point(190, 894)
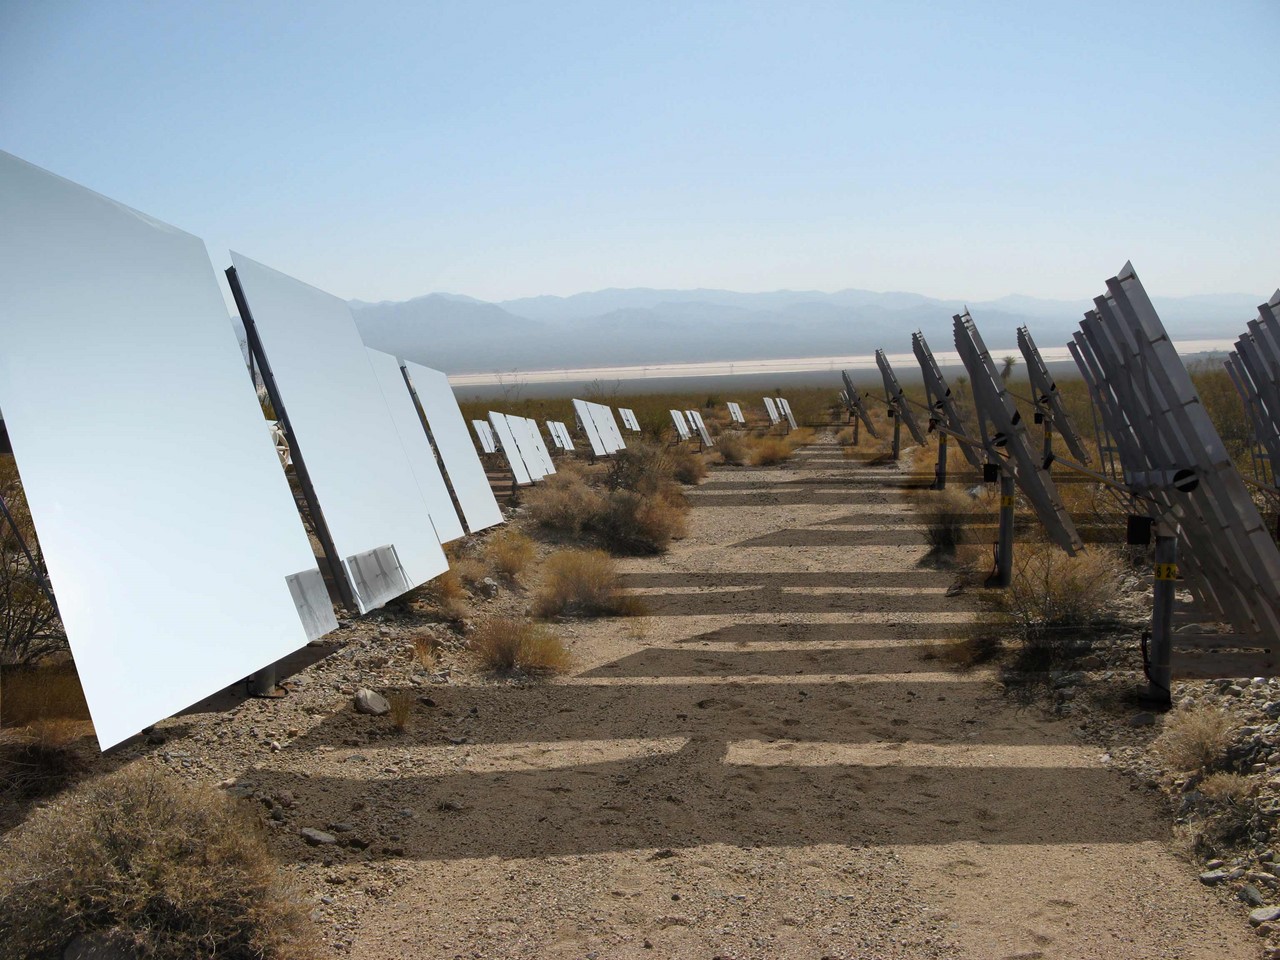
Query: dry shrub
point(980, 645)
point(845, 437)
point(688, 467)
point(509, 552)
point(768, 451)
point(565, 503)
point(505, 645)
point(945, 515)
point(582, 583)
point(43, 692)
point(637, 524)
point(800, 437)
point(42, 758)
point(1195, 740)
point(157, 867)
point(1052, 594)
point(401, 702)
point(470, 570)
point(733, 449)
point(1221, 815)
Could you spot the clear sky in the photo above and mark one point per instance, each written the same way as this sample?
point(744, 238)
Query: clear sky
point(386, 150)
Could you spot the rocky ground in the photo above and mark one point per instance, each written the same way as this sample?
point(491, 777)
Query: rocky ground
point(769, 763)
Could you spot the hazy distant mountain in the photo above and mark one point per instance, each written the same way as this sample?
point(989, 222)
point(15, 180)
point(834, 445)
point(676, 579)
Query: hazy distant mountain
point(460, 334)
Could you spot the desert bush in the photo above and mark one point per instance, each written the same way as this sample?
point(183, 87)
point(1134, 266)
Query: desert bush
point(509, 552)
point(636, 524)
point(505, 645)
point(733, 449)
point(565, 503)
point(470, 570)
point(30, 628)
point(1221, 815)
point(47, 691)
point(41, 758)
point(1052, 594)
point(581, 583)
point(688, 467)
point(1195, 740)
point(644, 468)
point(945, 514)
point(443, 596)
point(769, 451)
point(159, 868)
point(982, 643)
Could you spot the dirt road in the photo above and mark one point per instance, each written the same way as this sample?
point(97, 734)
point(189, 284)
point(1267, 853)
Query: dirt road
point(763, 767)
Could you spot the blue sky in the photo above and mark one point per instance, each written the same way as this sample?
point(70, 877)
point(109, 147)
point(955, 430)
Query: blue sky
point(499, 150)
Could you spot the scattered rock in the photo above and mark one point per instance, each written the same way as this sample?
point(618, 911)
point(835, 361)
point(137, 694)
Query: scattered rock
point(317, 838)
point(1144, 719)
point(374, 704)
point(1264, 915)
point(1211, 878)
point(1251, 895)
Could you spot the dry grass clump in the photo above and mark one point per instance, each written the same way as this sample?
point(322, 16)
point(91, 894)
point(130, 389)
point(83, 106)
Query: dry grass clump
point(635, 524)
point(565, 503)
point(982, 643)
point(509, 552)
point(582, 583)
point(1195, 740)
point(470, 570)
point(46, 691)
point(733, 449)
point(768, 451)
point(688, 467)
point(504, 645)
point(1052, 593)
point(1222, 815)
point(401, 702)
point(156, 867)
point(443, 596)
point(41, 758)
point(945, 515)
point(426, 651)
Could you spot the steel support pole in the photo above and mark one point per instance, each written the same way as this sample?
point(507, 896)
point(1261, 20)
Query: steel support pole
point(897, 435)
point(1004, 546)
point(1048, 443)
point(1160, 649)
point(263, 682)
point(940, 471)
point(857, 424)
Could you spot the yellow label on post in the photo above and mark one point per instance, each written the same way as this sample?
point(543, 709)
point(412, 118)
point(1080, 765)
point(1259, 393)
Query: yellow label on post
point(1166, 571)
point(1006, 501)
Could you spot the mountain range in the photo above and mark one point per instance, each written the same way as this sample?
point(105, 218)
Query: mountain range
point(460, 334)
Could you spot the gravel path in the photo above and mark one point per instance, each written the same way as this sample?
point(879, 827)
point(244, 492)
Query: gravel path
point(763, 767)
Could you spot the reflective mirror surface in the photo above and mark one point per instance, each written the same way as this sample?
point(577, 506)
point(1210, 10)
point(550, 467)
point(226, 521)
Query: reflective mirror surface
point(164, 517)
point(343, 427)
point(449, 431)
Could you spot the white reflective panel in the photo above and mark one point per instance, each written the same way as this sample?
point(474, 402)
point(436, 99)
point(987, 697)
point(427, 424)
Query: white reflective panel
point(629, 418)
point(449, 431)
point(735, 413)
point(485, 435)
point(540, 445)
point(565, 440)
point(172, 541)
point(510, 449)
point(589, 427)
point(607, 426)
point(682, 426)
point(417, 448)
point(555, 434)
point(519, 428)
point(358, 467)
point(785, 407)
point(695, 418)
point(772, 410)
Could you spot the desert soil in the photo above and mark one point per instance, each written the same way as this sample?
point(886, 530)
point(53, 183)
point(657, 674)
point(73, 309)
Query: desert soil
point(764, 766)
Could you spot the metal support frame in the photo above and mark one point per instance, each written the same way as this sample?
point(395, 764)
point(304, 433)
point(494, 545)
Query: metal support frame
point(897, 433)
point(1004, 542)
point(1158, 657)
point(940, 468)
point(318, 524)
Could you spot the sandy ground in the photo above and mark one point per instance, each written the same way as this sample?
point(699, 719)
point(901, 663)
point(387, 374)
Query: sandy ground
point(763, 767)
